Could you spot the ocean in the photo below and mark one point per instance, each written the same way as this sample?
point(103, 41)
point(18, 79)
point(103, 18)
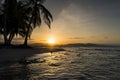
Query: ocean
point(75, 63)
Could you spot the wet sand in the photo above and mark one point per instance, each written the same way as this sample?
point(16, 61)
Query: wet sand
point(75, 63)
point(13, 55)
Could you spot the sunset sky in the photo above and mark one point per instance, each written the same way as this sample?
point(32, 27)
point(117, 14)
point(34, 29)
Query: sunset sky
point(81, 21)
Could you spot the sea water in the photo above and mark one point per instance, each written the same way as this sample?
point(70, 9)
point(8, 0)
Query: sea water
point(75, 63)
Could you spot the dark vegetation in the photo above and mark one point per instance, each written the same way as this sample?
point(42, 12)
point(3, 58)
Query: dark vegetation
point(88, 45)
point(20, 18)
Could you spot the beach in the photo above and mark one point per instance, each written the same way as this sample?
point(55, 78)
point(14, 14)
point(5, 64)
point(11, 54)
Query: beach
point(11, 55)
point(16, 54)
point(77, 63)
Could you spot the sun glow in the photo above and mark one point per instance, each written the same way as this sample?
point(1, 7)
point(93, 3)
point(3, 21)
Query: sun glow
point(51, 41)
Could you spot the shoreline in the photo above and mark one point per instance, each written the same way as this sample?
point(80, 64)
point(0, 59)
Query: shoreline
point(12, 55)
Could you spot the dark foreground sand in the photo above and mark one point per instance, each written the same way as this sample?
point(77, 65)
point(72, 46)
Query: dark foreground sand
point(14, 55)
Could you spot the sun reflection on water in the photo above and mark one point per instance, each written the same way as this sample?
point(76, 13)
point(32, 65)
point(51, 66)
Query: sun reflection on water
point(85, 63)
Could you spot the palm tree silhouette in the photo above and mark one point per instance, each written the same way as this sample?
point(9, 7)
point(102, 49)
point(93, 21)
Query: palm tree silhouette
point(37, 10)
point(21, 18)
point(8, 18)
point(18, 26)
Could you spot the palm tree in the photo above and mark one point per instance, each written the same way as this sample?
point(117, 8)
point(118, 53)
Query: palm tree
point(8, 12)
point(13, 20)
point(19, 17)
point(18, 26)
point(37, 12)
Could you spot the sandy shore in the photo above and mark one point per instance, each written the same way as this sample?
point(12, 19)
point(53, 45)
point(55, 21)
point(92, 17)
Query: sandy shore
point(13, 55)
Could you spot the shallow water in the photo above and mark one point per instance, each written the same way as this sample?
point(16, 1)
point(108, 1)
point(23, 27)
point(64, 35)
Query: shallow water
point(76, 63)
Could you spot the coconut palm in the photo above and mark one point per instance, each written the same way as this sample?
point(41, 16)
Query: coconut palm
point(37, 12)
point(19, 17)
point(8, 12)
point(14, 20)
point(19, 25)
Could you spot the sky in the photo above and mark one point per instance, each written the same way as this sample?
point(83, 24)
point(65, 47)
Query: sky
point(81, 21)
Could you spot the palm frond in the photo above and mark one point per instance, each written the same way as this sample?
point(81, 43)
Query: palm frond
point(46, 15)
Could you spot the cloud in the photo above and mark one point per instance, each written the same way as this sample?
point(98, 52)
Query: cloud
point(106, 37)
point(98, 7)
point(56, 6)
point(76, 38)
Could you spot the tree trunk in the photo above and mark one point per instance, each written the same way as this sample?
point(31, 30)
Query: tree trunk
point(26, 38)
point(5, 26)
point(10, 38)
point(5, 30)
point(27, 33)
point(5, 39)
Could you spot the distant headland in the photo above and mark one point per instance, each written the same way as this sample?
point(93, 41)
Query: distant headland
point(77, 45)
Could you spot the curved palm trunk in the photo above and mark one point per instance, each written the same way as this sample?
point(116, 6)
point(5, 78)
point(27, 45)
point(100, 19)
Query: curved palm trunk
point(5, 30)
point(27, 33)
point(5, 39)
point(26, 38)
point(10, 38)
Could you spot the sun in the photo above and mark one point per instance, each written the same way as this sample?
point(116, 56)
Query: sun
point(51, 41)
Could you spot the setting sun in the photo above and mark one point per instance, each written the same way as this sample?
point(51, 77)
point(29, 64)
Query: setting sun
point(51, 41)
